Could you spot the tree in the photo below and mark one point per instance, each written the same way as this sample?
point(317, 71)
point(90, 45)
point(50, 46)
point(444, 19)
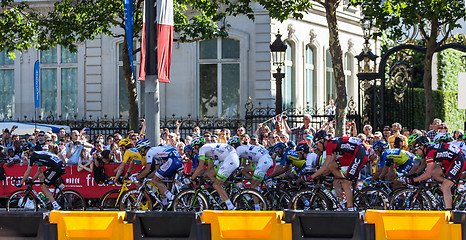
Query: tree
point(74, 21)
point(434, 20)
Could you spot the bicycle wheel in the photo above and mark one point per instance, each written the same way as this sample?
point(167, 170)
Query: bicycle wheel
point(71, 200)
point(189, 201)
point(309, 199)
point(18, 201)
point(110, 200)
point(459, 201)
point(135, 200)
point(410, 199)
point(370, 198)
point(248, 198)
point(277, 198)
point(217, 202)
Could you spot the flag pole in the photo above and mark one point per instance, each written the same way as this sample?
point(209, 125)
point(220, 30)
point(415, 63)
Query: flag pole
point(152, 105)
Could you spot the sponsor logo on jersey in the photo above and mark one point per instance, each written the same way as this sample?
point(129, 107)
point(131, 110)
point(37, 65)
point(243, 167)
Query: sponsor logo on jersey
point(355, 166)
point(446, 154)
point(347, 146)
point(456, 167)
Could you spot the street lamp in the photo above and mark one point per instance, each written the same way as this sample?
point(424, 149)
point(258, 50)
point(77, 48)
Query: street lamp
point(278, 50)
point(366, 59)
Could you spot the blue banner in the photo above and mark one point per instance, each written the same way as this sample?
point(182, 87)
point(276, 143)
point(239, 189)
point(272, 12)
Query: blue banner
point(128, 6)
point(36, 85)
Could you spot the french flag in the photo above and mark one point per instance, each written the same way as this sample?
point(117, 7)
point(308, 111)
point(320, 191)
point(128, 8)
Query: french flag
point(165, 28)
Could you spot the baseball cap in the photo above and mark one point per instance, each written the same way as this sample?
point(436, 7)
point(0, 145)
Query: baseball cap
point(309, 136)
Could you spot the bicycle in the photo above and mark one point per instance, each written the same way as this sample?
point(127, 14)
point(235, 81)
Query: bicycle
point(29, 200)
point(277, 197)
point(319, 197)
point(111, 199)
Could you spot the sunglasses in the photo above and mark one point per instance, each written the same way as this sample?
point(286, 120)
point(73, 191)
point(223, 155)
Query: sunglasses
point(442, 128)
point(41, 135)
point(48, 140)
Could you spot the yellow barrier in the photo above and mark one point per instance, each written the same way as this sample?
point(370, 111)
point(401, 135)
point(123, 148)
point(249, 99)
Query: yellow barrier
point(247, 225)
point(91, 225)
point(402, 225)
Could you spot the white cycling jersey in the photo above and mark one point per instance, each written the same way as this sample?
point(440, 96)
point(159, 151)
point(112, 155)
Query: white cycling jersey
point(252, 153)
point(216, 151)
point(156, 155)
point(313, 160)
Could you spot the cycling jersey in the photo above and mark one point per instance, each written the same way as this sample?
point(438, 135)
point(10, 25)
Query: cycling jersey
point(460, 144)
point(56, 167)
point(45, 158)
point(451, 158)
point(251, 152)
point(156, 155)
point(259, 157)
point(215, 152)
point(350, 152)
point(402, 159)
point(314, 161)
point(133, 155)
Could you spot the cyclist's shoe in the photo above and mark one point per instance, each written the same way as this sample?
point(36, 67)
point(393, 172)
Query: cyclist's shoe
point(110, 182)
point(57, 208)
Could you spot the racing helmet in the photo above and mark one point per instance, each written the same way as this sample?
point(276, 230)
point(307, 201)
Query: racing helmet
point(278, 146)
point(420, 141)
point(320, 135)
point(380, 144)
point(234, 140)
point(442, 137)
point(124, 142)
point(198, 141)
point(143, 143)
point(303, 147)
point(412, 138)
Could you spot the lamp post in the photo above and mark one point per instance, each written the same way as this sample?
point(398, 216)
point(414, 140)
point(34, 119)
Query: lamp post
point(278, 50)
point(366, 59)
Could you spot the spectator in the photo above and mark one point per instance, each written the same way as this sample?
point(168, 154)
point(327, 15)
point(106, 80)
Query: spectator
point(406, 133)
point(245, 139)
point(12, 157)
point(100, 159)
point(396, 128)
point(6, 137)
point(172, 140)
point(434, 128)
point(241, 131)
point(330, 109)
point(207, 137)
point(74, 148)
point(367, 130)
point(443, 128)
point(133, 137)
point(22, 141)
point(378, 136)
point(214, 139)
point(40, 141)
point(299, 131)
point(110, 141)
point(196, 131)
point(17, 147)
point(36, 132)
point(116, 155)
point(254, 140)
point(387, 132)
point(271, 140)
point(31, 139)
point(61, 133)
point(86, 162)
point(223, 135)
point(458, 135)
point(187, 140)
point(117, 137)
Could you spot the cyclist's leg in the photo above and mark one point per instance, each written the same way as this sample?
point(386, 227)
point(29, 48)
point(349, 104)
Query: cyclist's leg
point(452, 175)
point(360, 159)
point(167, 170)
point(229, 165)
point(50, 177)
point(260, 170)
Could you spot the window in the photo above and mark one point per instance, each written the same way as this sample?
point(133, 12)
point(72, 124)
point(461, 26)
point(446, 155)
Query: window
point(348, 71)
point(59, 82)
point(309, 77)
point(329, 77)
point(123, 103)
point(7, 86)
point(287, 84)
point(219, 78)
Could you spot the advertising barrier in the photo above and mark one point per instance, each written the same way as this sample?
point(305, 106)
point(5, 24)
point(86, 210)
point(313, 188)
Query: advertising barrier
point(82, 181)
point(26, 225)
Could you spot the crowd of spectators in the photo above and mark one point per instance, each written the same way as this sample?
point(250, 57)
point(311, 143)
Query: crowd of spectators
point(76, 148)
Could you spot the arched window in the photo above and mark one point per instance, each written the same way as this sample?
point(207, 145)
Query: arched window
point(329, 77)
point(59, 82)
point(219, 78)
point(309, 77)
point(287, 84)
point(7, 86)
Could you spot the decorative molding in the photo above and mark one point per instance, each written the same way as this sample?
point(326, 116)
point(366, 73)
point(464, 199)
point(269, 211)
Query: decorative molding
point(291, 30)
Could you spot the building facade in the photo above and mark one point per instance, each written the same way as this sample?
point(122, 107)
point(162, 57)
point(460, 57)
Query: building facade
point(209, 79)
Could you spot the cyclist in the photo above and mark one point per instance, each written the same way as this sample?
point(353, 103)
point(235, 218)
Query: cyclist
point(259, 160)
point(131, 156)
point(447, 155)
point(164, 160)
point(193, 157)
point(286, 159)
point(404, 160)
point(342, 151)
point(228, 162)
point(55, 169)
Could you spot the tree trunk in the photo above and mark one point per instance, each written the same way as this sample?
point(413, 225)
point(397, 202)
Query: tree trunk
point(431, 45)
point(336, 52)
point(131, 90)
